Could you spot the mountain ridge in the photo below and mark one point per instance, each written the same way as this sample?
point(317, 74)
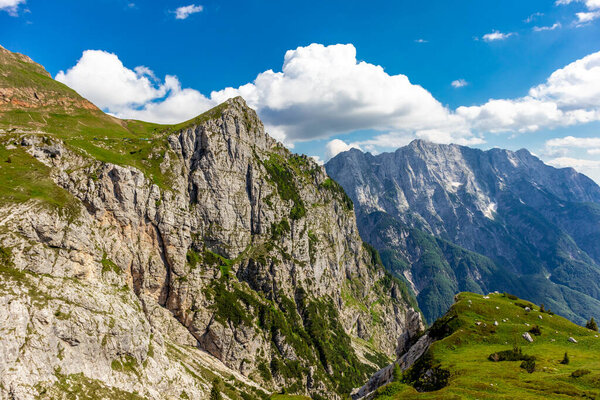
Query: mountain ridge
point(534, 221)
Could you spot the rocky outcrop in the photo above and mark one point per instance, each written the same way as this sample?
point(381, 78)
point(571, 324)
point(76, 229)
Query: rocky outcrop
point(386, 375)
point(241, 254)
point(448, 218)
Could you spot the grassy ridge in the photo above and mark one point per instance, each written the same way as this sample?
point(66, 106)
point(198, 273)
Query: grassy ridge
point(465, 352)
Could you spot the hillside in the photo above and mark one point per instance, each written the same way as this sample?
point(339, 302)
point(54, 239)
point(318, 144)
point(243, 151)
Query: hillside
point(148, 261)
point(468, 342)
point(449, 218)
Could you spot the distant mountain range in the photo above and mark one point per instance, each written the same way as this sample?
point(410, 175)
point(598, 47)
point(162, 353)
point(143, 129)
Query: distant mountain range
point(449, 218)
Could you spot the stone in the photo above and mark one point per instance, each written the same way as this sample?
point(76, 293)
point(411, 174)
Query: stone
point(572, 340)
point(527, 337)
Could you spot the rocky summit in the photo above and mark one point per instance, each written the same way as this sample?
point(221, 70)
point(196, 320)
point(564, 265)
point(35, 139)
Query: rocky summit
point(448, 218)
point(153, 261)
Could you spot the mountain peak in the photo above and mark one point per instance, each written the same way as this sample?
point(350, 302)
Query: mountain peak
point(8, 57)
point(25, 84)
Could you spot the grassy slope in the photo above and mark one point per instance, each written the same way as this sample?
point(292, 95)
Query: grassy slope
point(42, 105)
point(465, 354)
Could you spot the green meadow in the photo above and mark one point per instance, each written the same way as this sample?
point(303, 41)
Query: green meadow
point(465, 354)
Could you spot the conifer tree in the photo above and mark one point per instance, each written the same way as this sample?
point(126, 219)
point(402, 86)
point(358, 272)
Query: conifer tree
point(591, 324)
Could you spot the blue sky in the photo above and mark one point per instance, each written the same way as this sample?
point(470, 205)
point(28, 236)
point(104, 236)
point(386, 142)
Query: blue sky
point(368, 74)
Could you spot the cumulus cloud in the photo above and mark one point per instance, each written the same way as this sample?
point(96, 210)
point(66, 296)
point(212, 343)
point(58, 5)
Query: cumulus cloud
point(459, 83)
point(585, 17)
point(571, 141)
point(318, 160)
point(103, 79)
point(496, 35)
point(186, 11)
point(547, 28)
point(11, 6)
point(562, 145)
point(336, 146)
point(569, 96)
point(323, 90)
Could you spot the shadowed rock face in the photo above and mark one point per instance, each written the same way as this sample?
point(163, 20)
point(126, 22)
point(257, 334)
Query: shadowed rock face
point(245, 252)
point(429, 208)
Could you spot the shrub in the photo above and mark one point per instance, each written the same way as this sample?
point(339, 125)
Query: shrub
point(523, 305)
point(542, 309)
point(215, 392)
point(591, 324)
point(528, 365)
point(565, 359)
point(265, 372)
point(510, 296)
point(444, 326)
point(425, 376)
point(516, 354)
point(580, 372)
point(536, 330)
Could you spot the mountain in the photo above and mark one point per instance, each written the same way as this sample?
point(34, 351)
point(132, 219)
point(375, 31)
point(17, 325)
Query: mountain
point(149, 261)
point(449, 218)
point(494, 347)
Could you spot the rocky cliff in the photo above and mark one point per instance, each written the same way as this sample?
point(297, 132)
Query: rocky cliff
point(146, 260)
point(449, 218)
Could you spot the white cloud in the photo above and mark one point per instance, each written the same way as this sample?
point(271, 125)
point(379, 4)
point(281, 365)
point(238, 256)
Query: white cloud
point(583, 18)
point(103, 79)
point(496, 35)
point(318, 160)
point(577, 142)
point(186, 11)
point(590, 4)
point(586, 17)
point(547, 28)
point(459, 83)
point(324, 90)
point(421, 41)
point(570, 95)
point(533, 17)
point(336, 146)
point(575, 86)
point(11, 6)
point(594, 152)
point(591, 168)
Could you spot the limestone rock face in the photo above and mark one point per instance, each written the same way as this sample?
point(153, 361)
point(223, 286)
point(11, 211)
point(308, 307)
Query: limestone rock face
point(235, 263)
point(448, 218)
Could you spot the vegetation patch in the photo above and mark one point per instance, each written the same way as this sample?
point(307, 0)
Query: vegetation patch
point(337, 190)
point(282, 176)
point(426, 375)
point(578, 373)
point(126, 363)
point(109, 265)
